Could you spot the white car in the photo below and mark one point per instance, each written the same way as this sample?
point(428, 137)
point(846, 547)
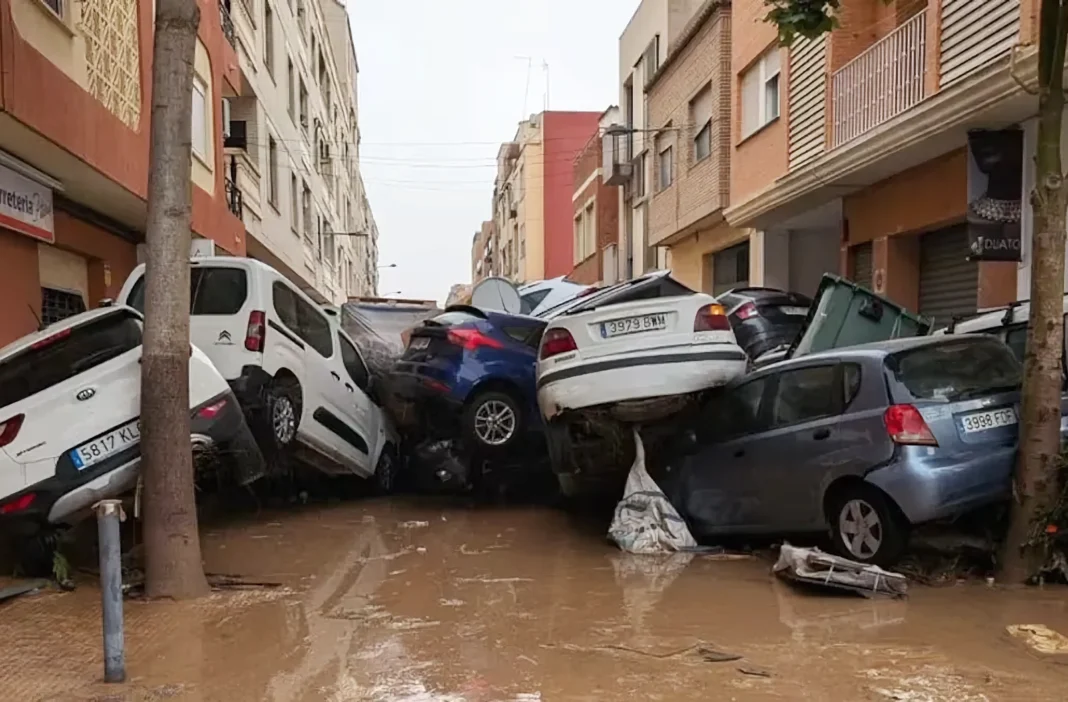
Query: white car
point(299, 377)
point(670, 341)
point(70, 403)
point(543, 295)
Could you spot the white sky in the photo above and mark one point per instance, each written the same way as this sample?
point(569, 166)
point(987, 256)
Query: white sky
point(440, 88)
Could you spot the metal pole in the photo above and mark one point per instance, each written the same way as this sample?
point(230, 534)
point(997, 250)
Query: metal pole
point(108, 515)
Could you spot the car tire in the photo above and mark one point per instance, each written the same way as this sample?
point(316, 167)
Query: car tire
point(492, 422)
point(282, 408)
point(867, 526)
point(386, 471)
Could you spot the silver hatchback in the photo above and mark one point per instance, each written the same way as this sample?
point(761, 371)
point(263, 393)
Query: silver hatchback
point(868, 440)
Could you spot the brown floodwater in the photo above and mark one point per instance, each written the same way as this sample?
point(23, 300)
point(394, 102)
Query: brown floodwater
point(416, 601)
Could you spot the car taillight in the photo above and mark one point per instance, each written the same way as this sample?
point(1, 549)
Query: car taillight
point(49, 340)
point(257, 331)
point(556, 342)
point(711, 318)
point(211, 411)
point(472, 339)
point(747, 311)
point(10, 429)
point(906, 425)
point(19, 504)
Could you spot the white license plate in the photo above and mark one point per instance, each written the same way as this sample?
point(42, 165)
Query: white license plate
point(633, 325)
point(420, 342)
point(981, 421)
point(795, 311)
point(107, 445)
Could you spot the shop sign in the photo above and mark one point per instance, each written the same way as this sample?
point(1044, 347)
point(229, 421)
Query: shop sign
point(995, 188)
point(26, 206)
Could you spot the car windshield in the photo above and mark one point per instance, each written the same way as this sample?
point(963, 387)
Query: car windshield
point(949, 372)
point(66, 354)
point(212, 291)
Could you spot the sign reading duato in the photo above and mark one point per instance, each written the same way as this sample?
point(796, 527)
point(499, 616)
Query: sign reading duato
point(26, 206)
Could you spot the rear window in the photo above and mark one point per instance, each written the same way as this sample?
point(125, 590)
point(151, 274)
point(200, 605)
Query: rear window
point(73, 352)
point(212, 291)
point(955, 371)
point(454, 318)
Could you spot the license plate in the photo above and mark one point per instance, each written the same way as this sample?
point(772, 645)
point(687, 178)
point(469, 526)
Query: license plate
point(107, 445)
point(795, 311)
point(981, 421)
point(633, 325)
point(419, 342)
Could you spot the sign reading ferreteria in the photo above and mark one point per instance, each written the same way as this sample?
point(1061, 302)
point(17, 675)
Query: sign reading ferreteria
point(26, 206)
point(995, 189)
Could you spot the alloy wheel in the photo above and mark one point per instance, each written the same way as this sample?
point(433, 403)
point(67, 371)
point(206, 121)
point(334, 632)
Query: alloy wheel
point(860, 529)
point(495, 422)
point(283, 420)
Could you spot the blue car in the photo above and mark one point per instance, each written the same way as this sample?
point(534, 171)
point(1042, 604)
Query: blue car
point(470, 373)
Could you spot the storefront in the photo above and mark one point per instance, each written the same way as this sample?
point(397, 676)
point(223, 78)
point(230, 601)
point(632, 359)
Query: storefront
point(948, 281)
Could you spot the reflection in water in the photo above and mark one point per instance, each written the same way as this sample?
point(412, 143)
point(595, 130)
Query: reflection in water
point(818, 616)
point(643, 580)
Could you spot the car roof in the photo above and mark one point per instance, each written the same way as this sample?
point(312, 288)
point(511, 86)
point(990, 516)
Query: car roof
point(25, 342)
point(875, 349)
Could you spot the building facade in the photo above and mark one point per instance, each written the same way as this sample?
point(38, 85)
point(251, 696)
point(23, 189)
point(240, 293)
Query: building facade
point(532, 195)
point(596, 213)
point(293, 146)
point(850, 152)
point(482, 252)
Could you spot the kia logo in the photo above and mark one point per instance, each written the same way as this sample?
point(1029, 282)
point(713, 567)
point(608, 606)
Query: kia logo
point(85, 394)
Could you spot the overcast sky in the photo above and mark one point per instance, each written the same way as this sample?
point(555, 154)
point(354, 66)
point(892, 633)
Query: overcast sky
point(441, 86)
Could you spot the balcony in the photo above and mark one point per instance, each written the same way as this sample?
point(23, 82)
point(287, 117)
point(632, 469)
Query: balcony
point(227, 22)
point(233, 193)
point(881, 83)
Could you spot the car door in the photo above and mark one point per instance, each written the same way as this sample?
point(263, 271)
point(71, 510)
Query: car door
point(721, 490)
point(290, 342)
point(366, 416)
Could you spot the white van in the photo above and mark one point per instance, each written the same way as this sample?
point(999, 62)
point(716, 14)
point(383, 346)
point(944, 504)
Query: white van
point(300, 378)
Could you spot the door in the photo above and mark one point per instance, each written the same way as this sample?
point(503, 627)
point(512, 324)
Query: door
point(949, 282)
point(721, 489)
point(365, 414)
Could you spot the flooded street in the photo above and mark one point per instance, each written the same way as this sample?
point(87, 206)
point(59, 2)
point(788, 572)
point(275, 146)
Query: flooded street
point(399, 601)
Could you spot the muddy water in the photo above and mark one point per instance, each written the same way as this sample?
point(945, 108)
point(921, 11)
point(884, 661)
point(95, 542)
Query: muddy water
point(412, 602)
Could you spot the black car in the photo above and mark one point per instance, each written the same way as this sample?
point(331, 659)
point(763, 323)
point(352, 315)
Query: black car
point(764, 318)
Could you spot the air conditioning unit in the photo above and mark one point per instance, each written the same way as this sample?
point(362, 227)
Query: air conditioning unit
point(615, 149)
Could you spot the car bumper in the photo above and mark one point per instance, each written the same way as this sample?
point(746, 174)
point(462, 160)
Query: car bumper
point(929, 487)
point(629, 377)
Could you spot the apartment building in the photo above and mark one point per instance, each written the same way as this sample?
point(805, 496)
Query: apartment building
point(689, 108)
point(851, 152)
point(482, 252)
point(293, 145)
point(596, 211)
point(643, 46)
point(75, 103)
point(532, 195)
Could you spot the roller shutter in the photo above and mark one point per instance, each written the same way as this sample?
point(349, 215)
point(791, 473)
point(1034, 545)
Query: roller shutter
point(949, 282)
point(862, 265)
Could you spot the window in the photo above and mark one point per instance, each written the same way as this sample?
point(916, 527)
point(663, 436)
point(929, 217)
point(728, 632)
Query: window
point(760, 92)
point(272, 172)
point(577, 238)
point(651, 60)
point(200, 119)
point(730, 268)
point(87, 346)
point(268, 37)
point(701, 119)
point(806, 394)
point(639, 176)
point(285, 306)
point(303, 319)
point(212, 291)
point(736, 414)
point(1016, 340)
point(57, 305)
point(291, 89)
point(851, 374)
point(354, 365)
point(304, 107)
point(522, 241)
point(306, 211)
point(294, 203)
point(665, 165)
point(55, 6)
point(970, 367)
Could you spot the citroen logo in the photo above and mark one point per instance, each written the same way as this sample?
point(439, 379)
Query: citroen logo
point(85, 394)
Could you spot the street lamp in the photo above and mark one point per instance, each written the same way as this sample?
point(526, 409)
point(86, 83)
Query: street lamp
point(391, 265)
point(394, 292)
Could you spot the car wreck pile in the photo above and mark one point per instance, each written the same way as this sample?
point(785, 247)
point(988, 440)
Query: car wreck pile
point(759, 411)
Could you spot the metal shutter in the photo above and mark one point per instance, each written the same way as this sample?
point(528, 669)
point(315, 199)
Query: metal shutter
point(862, 265)
point(949, 282)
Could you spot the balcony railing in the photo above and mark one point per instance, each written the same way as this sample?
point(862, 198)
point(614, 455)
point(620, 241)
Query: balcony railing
point(881, 83)
point(233, 193)
point(227, 22)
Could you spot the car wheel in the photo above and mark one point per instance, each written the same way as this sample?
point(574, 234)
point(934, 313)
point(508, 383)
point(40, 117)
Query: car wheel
point(386, 472)
point(283, 412)
point(867, 527)
point(493, 421)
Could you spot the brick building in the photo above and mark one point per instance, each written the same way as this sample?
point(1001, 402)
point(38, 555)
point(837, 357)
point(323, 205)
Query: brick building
point(596, 213)
point(689, 107)
point(849, 151)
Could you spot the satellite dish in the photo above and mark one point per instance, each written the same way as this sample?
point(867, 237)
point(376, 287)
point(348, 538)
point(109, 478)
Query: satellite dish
point(496, 294)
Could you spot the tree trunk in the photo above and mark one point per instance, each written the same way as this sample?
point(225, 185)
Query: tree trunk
point(1036, 480)
point(173, 566)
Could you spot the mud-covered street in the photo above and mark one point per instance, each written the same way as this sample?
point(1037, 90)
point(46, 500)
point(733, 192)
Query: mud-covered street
point(397, 601)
